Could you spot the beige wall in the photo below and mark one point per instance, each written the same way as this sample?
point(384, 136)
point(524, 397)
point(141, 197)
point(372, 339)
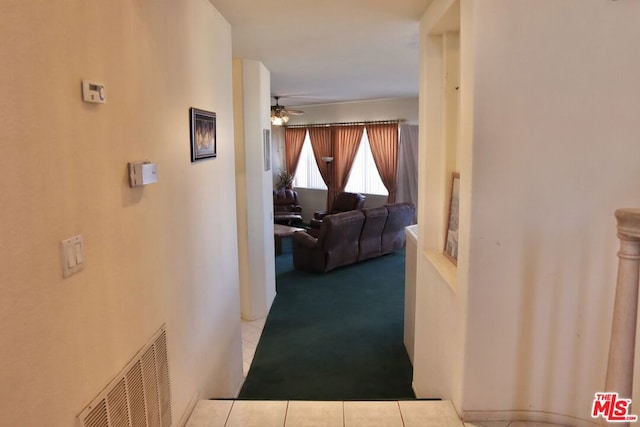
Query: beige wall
point(440, 311)
point(556, 153)
point(381, 109)
point(254, 189)
point(165, 253)
point(554, 110)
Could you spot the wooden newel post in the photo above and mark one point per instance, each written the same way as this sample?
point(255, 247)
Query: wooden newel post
point(625, 311)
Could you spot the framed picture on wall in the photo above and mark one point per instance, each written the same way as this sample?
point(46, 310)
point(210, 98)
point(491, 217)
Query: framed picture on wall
point(266, 136)
point(203, 134)
point(451, 240)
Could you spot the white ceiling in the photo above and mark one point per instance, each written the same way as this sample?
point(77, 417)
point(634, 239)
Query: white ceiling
point(324, 51)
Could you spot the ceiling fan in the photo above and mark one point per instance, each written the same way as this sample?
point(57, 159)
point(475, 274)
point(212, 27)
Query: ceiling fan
point(280, 114)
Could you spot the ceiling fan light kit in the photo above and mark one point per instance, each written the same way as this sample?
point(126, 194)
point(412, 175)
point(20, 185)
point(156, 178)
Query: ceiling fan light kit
point(280, 115)
point(279, 118)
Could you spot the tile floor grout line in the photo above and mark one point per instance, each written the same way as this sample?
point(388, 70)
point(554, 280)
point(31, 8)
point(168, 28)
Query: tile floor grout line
point(400, 410)
point(233, 402)
point(344, 420)
point(286, 412)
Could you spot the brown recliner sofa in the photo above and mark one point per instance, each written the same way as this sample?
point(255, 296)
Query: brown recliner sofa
point(286, 209)
point(348, 237)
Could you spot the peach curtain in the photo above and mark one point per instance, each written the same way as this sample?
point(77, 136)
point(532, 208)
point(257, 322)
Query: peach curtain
point(383, 139)
point(346, 142)
point(321, 138)
point(293, 140)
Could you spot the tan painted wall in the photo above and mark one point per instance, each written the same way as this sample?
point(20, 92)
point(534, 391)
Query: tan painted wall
point(165, 253)
point(549, 137)
point(381, 109)
point(440, 310)
point(555, 153)
point(254, 189)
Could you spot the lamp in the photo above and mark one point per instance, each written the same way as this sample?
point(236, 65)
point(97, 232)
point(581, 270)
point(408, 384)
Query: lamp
point(327, 159)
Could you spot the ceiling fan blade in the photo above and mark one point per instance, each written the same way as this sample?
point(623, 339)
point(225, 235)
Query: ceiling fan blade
point(281, 109)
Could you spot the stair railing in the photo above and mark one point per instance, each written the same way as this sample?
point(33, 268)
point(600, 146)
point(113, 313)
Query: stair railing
point(625, 312)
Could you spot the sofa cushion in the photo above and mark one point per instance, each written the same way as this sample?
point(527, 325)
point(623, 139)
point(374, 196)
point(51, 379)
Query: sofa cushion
point(371, 236)
point(340, 236)
point(347, 202)
point(344, 202)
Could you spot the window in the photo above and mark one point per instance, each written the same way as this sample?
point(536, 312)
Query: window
point(307, 173)
point(364, 177)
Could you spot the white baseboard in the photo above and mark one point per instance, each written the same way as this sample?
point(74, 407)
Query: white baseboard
point(190, 407)
point(530, 416)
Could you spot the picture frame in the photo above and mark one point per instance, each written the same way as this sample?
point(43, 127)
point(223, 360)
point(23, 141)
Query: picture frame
point(203, 134)
point(266, 136)
point(451, 239)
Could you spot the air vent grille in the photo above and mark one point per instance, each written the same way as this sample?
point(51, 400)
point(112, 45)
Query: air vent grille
point(151, 387)
point(140, 396)
point(136, 396)
point(98, 417)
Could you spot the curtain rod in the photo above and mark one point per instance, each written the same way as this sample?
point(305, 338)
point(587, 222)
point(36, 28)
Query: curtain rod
point(375, 122)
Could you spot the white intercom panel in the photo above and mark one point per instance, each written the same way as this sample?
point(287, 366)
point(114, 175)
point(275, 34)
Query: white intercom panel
point(142, 173)
point(93, 92)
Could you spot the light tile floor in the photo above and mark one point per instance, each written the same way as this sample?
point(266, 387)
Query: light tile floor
point(245, 413)
point(509, 424)
point(230, 413)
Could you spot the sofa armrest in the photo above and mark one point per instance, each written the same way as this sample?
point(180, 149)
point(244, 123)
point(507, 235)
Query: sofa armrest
point(314, 224)
point(319, 215)
point(296, 208)
point(305, 239)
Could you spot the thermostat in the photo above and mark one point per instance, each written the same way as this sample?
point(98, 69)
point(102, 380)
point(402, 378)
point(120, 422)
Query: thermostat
point(93, 92)
point(142, 173)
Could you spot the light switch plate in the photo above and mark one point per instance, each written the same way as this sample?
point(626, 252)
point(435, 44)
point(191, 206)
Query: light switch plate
point(72, 255)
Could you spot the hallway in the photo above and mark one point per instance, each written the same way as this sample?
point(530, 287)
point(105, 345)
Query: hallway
point(330, 337)
point(298, 413)
point(245, 413)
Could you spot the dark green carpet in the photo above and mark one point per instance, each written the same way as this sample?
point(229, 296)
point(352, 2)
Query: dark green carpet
point(334, 336)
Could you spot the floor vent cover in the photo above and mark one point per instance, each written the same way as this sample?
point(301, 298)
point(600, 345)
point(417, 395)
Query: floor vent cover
point(139, 396)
